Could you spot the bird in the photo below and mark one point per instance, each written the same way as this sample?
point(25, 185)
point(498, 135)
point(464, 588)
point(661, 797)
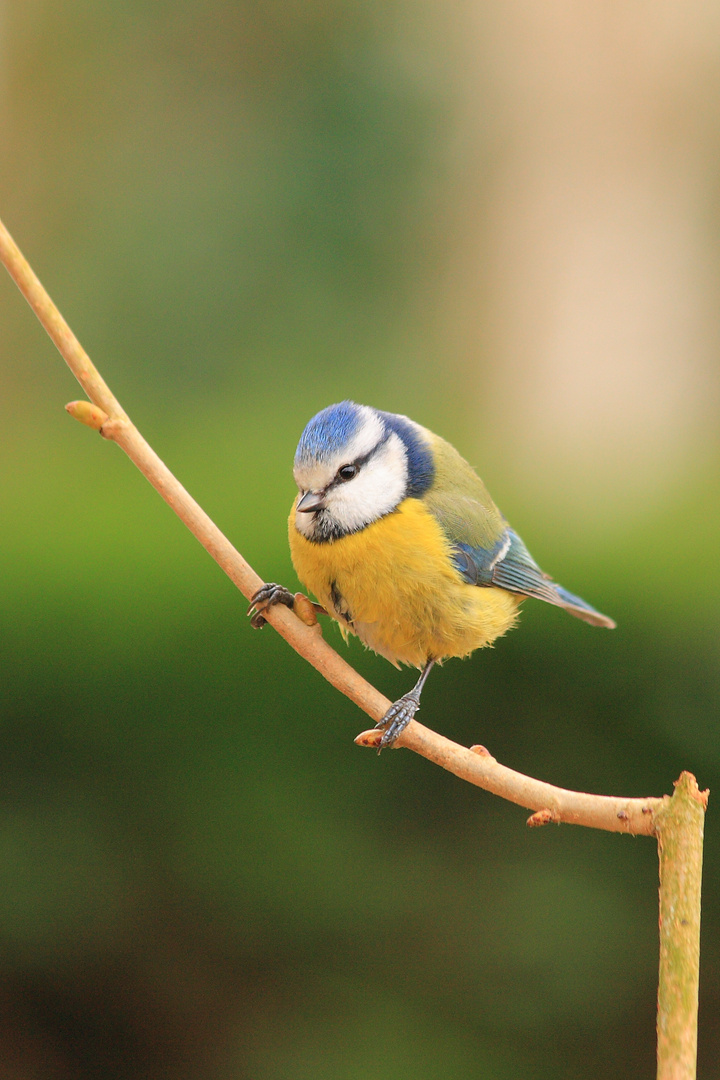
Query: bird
point(397, 537)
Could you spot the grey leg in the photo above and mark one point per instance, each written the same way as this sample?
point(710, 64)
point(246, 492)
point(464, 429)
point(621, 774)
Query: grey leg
point(399, 715)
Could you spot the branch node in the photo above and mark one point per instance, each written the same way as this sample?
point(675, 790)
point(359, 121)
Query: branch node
point(113, 427)
point(543, 817)
point(481, 751)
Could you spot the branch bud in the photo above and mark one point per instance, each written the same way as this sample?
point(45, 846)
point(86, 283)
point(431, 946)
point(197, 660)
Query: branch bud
point(87, 413)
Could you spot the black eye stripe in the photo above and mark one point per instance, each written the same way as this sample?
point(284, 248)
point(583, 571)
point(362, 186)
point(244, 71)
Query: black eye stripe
point(358, 463)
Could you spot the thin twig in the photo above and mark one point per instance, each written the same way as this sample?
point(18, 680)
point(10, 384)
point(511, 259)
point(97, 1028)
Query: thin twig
point(635, 816)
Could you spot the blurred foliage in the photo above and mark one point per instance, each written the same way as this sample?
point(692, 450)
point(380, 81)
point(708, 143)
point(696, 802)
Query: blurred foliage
point(240, 208)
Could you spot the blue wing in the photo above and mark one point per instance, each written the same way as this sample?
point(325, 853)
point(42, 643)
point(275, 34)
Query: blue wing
point(509, 565)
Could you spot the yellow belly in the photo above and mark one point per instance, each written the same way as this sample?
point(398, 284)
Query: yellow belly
point(394, 585)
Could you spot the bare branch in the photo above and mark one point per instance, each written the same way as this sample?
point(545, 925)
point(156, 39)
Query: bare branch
point(50, 318)
point(635, 816)
point(677, 822)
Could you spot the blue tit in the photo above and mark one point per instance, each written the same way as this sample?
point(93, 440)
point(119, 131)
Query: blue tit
point(399, 540)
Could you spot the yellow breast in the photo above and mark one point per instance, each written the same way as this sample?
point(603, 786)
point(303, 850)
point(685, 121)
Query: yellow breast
point(395, 586)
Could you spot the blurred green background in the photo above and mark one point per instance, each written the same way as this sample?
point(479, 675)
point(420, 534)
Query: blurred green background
point(503, 221)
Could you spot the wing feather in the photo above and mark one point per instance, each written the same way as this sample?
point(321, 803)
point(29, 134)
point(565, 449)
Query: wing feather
point(487, 552)
point(509, 565)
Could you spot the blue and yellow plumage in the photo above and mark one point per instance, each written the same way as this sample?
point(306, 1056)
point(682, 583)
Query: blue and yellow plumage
point(399, 540)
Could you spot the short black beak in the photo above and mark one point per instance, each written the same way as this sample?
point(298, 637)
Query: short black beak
point(310, 501)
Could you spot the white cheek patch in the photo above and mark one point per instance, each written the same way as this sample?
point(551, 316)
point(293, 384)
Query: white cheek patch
point(376, 490)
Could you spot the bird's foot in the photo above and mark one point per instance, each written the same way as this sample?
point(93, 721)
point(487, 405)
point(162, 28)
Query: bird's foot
point(272, 594)
point(266, 597)
point(397, 718)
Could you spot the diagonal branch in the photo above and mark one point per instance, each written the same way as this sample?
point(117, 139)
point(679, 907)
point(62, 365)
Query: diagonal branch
point(476, 765)
point(677, 823)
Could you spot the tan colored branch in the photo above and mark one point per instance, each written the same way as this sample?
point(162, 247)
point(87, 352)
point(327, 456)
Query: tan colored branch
point(679, 824)
point(52, 321)
point(634, 816)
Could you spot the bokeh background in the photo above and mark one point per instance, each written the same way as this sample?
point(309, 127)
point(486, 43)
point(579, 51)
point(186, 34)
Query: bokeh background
point(504, 221)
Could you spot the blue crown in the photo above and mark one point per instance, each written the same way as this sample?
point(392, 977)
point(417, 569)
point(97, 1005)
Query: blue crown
point(327, 432)
point(335, 426)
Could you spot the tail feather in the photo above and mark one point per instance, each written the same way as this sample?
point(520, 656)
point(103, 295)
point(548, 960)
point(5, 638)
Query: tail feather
point(581, 610)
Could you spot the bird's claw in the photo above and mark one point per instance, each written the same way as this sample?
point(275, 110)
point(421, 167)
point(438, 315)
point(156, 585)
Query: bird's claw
point(397, 718)
point(272, 594)
point(269, 595)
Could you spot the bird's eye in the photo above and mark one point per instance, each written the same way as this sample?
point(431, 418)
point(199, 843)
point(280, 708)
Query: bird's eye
point(346, 472)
